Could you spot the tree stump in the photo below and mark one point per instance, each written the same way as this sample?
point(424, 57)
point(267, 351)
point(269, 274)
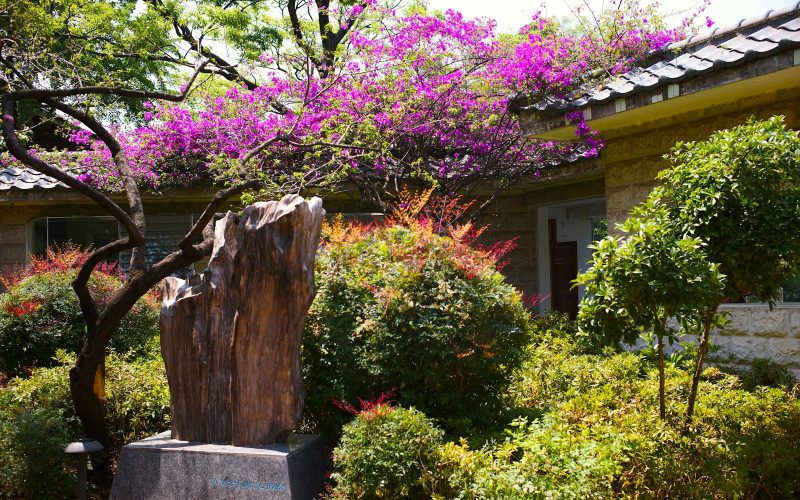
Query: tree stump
point(230, 337)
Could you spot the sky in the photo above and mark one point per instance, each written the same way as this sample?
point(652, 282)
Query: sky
point(512, 14)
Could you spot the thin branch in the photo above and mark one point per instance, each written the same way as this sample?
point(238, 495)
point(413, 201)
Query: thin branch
point(221, 197)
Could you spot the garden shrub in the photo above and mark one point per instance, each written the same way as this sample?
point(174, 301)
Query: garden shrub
point(32, 459)
point(601, 412)
point(386, 452)
point(541, 459)
point(764, 372)
point(40, 314)
point(402, 307)
point(37, 420)
point(600, 436)
point(559, 324)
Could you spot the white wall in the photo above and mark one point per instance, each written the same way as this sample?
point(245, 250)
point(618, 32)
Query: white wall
point(573, 223)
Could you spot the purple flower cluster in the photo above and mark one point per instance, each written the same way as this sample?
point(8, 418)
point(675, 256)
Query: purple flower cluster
point(423, 97)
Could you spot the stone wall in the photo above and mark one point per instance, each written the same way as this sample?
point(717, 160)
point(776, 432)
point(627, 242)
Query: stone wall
point(756, 332)
point(634, 155)
point(12, 244)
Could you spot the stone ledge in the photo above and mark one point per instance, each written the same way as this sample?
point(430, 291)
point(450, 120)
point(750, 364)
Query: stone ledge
point(163, 468)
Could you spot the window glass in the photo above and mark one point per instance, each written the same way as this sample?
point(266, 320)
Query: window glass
point(163, 234)
point(83, 231)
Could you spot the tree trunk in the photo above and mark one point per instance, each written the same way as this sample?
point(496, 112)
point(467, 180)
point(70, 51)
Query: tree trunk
point(698, 369)
point(86, 384)
point(662, 403)
point(88, 406)
point(231, 336)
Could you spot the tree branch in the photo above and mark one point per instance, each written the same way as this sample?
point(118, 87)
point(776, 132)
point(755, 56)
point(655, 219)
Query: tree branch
point(80, 284)
point(42, 94)
point(16, 149)
point(221, 197)
point(297, 31)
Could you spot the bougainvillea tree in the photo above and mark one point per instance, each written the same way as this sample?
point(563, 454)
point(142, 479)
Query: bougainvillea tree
point(416, 99)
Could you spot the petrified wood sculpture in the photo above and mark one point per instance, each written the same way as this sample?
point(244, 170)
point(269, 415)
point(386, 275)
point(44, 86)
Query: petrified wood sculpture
point(231, 336)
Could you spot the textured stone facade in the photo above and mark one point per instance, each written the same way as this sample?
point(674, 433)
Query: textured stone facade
point(634, 155)
point(756, 332)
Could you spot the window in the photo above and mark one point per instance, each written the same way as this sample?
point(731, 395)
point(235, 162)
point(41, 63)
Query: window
point(163, 234)
point(83, 231)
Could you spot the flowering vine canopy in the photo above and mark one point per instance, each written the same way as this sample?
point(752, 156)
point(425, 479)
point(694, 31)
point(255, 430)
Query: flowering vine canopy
point(415, 99)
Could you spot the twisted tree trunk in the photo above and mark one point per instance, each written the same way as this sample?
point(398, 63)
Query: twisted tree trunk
point(231, 336)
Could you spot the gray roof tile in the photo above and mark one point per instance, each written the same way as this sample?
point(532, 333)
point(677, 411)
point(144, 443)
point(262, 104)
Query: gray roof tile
point(710, 53)
point(793, 36)
point(756, 46)
point(15, 178)
point(621, 85)
point(793, 25)
point(721, 48)
point(642, 78)
point(769, 34)
point(738, 43)
point(690, 62)
point(666, 71)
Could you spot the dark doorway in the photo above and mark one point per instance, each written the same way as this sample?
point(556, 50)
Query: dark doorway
point(563, 269)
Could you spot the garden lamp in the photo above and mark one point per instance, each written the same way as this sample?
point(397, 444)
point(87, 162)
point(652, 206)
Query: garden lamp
point(82, 448)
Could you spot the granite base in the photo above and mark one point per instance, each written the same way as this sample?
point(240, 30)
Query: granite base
point(163, 468)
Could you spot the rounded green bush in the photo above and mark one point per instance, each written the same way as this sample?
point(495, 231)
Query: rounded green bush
point(386, 453)
point(37, 421)
point(41, 314)
point(402, 308)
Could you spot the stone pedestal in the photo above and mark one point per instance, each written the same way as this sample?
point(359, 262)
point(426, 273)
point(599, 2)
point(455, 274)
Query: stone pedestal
point(163, 468)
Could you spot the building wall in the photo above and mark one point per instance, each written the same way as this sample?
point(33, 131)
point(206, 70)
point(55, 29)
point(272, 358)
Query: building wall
point(634, 155)
point(19, 209)
point(16, 216)
point(756, 331)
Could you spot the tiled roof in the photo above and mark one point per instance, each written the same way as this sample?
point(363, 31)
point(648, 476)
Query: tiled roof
point(24, 179)
point(749, 39)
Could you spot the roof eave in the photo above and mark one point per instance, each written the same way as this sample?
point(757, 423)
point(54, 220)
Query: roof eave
point(771, 73)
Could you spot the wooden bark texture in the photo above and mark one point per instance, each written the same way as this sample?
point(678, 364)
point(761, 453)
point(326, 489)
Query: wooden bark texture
point(230, 337)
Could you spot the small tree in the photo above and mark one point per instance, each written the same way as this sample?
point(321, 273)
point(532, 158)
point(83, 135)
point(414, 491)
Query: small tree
point(639, 281)
point(732, 200)
point(738, 192)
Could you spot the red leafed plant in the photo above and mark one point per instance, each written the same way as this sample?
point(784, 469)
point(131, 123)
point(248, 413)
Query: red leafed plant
point(23, 308)
point(371, 408)
point(431, 216)
point(66, 257)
